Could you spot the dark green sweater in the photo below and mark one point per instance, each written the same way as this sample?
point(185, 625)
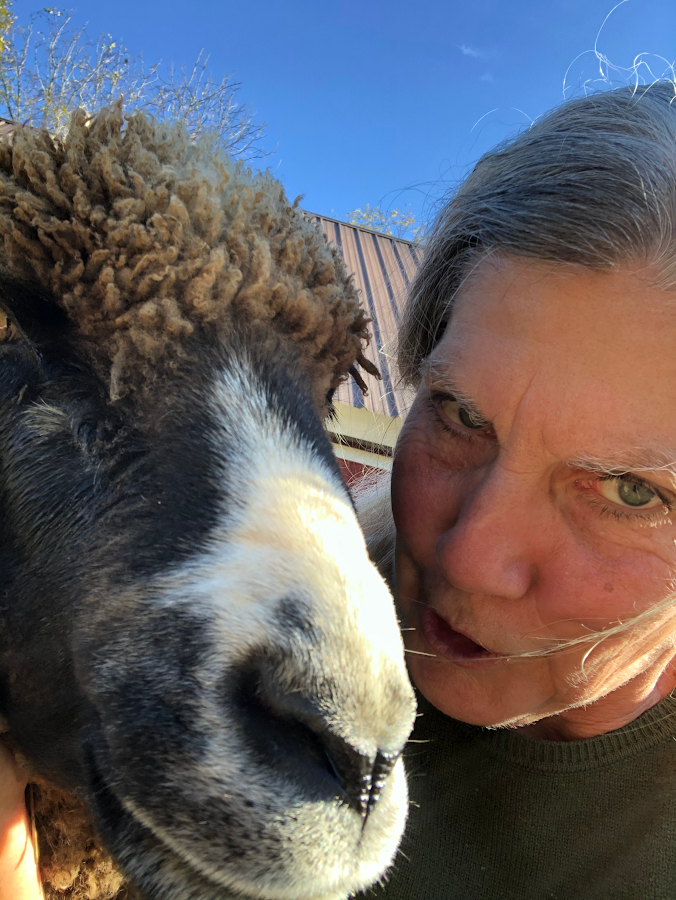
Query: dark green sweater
point(499, 816)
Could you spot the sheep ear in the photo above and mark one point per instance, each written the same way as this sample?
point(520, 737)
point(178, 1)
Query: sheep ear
point(367, 366)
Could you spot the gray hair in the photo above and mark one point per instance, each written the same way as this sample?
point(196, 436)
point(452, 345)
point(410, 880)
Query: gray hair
point(593, 183)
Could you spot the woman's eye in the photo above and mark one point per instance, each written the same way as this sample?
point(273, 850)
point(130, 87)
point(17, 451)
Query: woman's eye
point(8, 330)
point(454, 412)
point(629, 492)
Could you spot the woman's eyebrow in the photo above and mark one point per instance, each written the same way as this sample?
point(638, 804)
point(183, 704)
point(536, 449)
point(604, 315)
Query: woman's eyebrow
point(443, 380)
point(639, 460)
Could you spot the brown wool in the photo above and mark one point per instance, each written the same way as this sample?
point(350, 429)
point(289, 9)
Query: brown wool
point(143, 237)
point(73, 865)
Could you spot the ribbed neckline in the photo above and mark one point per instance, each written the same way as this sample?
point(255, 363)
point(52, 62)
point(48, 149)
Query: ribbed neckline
point(655, 725)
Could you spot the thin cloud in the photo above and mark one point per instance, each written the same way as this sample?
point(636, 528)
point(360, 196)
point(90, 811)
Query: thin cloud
point(487, 76)
point(476, 52)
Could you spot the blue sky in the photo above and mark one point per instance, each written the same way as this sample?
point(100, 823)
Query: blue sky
point(388, 102)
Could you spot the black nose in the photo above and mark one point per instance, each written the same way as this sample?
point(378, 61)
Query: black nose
point(292, 730)
point(361, 777)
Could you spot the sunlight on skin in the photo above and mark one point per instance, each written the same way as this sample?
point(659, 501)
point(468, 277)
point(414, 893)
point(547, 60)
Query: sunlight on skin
point(19, 878)
point(534, 494)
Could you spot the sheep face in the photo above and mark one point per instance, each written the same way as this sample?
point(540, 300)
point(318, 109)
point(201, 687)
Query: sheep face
point(191, 634)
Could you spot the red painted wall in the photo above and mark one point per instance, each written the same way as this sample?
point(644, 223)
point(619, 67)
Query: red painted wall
point(354, 471)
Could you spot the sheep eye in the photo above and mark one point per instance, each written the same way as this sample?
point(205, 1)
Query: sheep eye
point(8, 330)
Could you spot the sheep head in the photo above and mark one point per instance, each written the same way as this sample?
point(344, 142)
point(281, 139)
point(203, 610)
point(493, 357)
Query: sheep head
point(192, 637)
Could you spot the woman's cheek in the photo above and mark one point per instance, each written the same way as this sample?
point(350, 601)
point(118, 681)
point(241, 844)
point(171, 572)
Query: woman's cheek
point(427, 473)
point(424, 498)
point(609, 533)
point(597, 581)
point(410, 503)
point(412, 477)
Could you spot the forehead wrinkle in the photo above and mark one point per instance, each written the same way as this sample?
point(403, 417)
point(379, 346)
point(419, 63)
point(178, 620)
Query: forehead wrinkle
point(639, 459)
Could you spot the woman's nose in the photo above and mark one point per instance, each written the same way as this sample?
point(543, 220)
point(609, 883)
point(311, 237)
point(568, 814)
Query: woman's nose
point(491, 547)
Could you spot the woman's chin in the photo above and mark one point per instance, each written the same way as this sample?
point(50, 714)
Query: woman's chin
point(491, 696)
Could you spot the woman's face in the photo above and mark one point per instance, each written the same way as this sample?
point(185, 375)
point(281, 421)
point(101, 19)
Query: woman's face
point(533, 489)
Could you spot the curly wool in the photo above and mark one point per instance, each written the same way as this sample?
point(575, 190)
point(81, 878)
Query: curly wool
point(73, 863)
point(145, 238)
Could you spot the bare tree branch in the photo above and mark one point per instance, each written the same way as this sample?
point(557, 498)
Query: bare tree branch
point(49, 68)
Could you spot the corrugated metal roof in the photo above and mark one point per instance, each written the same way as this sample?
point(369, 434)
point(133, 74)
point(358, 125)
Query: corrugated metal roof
point(382, 268)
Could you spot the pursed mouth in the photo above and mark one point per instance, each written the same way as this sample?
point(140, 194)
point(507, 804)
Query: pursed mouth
point(454, 645)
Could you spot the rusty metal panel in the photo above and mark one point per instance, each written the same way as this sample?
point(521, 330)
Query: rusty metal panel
point(382, 268)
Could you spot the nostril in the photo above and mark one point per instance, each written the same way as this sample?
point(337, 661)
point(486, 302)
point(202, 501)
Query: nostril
point(362, 777)
point(381, 770)
point(290, 730)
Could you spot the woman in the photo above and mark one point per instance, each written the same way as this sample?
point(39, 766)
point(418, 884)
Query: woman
point(534, 497)
point(532, 491)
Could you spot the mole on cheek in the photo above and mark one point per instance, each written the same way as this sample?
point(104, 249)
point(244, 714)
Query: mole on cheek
point(608, 587)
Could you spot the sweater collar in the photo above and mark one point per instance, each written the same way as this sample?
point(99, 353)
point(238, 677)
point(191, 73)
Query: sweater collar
point(652, 727)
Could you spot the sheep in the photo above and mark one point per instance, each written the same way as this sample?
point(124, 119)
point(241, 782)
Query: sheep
point(199, 665)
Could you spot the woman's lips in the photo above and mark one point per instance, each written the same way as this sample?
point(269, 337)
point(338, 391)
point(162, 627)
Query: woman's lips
point(453, 645)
